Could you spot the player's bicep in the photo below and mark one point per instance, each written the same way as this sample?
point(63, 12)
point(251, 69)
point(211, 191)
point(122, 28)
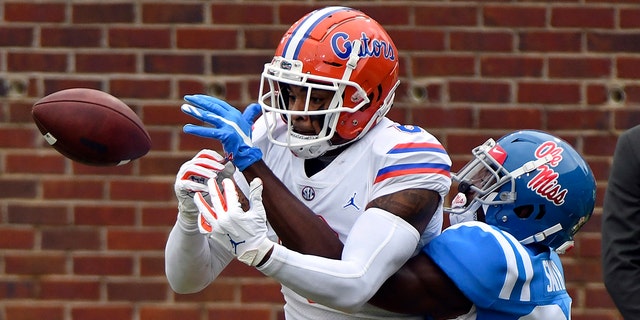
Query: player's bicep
point(416, 206)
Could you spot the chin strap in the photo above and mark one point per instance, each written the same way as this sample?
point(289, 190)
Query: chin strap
point(352, 63)
point(565, 247)
point(540, 236)
point(531, 165)
point(525, 168)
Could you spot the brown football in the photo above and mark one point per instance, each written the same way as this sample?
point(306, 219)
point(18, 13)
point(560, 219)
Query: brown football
point(91, 127)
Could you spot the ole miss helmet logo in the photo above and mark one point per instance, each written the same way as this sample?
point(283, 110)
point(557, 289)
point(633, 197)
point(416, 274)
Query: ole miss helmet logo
point(545, 183)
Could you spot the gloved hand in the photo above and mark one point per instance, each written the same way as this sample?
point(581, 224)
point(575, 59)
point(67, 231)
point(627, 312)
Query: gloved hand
point(468, 214)
point(251, 112)
point(231, 128)
point(245, 233)
point(193, 176)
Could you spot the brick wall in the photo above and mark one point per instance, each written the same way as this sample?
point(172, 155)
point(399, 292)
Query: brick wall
point(79, 242)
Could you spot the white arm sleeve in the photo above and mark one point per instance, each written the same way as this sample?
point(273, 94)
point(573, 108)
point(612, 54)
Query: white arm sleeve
point(192, 261)
point(377, 246)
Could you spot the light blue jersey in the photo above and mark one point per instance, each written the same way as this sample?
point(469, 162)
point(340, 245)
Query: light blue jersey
point(504, 279)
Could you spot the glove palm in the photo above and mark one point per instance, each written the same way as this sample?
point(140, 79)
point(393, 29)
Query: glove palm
point(244, 232)
point(193, 176)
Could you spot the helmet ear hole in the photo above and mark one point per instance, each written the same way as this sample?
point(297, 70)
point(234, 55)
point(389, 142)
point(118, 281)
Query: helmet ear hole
point(377, 98)
point(526, 211)
point(523, 212)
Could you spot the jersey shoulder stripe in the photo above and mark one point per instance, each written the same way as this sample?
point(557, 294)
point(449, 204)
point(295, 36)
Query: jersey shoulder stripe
point(412, 168)
point(405, 157)
point(417, 146)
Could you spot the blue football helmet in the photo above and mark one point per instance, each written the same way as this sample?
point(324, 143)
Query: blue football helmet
point(530, 184)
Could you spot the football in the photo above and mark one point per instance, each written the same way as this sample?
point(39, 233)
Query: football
point(91, 127)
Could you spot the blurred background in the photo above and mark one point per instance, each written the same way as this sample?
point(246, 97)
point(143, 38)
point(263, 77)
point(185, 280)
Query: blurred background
point(80, 242)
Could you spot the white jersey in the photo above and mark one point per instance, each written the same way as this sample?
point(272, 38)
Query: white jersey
point(390, 158)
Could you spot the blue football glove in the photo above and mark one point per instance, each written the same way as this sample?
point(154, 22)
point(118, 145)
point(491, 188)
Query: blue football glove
point(230, 127)
point(251, 112)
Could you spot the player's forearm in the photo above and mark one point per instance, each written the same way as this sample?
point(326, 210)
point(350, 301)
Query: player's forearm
point(188, 263)
point(368, 259)
point(421, 287)
point(297, 227)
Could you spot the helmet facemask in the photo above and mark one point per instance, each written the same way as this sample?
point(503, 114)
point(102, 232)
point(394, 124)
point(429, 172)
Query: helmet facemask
point(479, 178)
point(341, 50)
point(273, 99)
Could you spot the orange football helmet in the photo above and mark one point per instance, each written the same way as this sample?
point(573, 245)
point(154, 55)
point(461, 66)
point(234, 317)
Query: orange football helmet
point(337, 49)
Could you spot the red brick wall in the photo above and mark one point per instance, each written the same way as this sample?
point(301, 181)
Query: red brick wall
point(80, 242)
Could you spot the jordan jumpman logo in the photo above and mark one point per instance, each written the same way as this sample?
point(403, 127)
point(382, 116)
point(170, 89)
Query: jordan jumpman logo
point(352, 202)
point(234, 244)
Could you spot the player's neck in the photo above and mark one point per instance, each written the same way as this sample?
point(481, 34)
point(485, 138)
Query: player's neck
point(315, 165)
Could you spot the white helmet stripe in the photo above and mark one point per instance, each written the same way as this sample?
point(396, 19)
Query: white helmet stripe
point(301, 33)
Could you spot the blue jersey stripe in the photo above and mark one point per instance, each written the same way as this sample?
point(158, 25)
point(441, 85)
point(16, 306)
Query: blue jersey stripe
point(397, 167)
point(412, 168)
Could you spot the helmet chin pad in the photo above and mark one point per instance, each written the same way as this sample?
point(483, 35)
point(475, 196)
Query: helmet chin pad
point(307, 151)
